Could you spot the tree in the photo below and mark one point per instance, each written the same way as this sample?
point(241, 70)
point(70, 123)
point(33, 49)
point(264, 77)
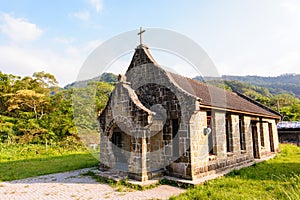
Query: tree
point(5, 88)
point(28, 100)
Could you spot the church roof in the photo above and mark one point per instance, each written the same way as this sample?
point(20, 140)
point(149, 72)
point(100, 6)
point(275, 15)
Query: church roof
point(210, 96)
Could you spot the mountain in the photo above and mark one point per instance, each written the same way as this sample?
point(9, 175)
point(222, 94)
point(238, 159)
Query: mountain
point(105, 77)
point(286, 83)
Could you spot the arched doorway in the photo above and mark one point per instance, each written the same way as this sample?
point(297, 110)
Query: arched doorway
point(121, 146)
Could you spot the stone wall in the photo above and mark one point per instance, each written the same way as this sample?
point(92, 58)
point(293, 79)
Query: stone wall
point(171, 145)
point(155, 114)
point(270, 134)
point(199, 143)
point(162, 128)
point(203, 163)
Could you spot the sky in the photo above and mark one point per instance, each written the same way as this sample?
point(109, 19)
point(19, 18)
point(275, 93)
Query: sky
point(249, 37)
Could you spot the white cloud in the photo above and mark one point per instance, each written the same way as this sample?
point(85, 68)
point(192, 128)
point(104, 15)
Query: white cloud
point(64, 65)
point(82, 15)
point(63, 40)
point(98, 4)
point(89, 46)
point(19, 29)
point(81, 49)
point(26, 61)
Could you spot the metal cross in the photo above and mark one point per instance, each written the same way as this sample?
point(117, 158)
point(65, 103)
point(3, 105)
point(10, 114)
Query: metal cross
point(140, 34)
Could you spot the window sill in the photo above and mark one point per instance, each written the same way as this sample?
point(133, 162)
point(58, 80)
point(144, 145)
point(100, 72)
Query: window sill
point(243, 151)
point(229, 154)
point(212, 157)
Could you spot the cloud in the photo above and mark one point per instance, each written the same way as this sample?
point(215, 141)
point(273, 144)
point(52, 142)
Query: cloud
point(89, 46)
point(63, 40)
point(25, 61)
point(79, 49)
point(19, 29)
point(98, 4)
point(82, 15)
point(64, 64)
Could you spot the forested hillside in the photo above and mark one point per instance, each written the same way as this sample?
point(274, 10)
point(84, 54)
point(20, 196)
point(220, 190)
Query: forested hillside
point(105, 77)
point(33, 109)
point(286, 83)
point(284, 98)
point(287, 104)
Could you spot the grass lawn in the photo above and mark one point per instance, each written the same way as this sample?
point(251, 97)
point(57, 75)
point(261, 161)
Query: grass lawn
point(23, 161)
point(278, 178)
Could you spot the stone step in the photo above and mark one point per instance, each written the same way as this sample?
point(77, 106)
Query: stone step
point(157, 173)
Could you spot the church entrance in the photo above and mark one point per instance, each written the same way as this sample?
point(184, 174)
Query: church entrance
point(121, 148)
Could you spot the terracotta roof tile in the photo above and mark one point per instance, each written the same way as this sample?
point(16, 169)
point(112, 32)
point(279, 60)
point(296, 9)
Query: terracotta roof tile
point(220, 98)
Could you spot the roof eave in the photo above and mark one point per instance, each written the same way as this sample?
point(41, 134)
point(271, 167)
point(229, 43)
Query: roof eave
point(239, 111)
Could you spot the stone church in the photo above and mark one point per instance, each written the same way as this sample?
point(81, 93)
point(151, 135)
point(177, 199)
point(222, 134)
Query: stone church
point(158, 123)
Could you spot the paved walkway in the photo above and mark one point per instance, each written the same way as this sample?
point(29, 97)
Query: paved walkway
point(72, 185)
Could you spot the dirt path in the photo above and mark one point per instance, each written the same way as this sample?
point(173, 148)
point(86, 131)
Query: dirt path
point(72, 185)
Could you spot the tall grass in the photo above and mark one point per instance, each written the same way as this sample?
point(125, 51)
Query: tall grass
point(278, 178)
point(11, 152)
point(22, 161)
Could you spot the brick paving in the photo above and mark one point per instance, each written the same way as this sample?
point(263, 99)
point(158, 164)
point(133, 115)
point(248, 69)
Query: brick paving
point(73, 185)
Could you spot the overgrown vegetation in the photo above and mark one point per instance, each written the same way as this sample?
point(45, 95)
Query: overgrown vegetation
point(278, 178)
point(283, 84)
point(38, 132)
point(34, 110)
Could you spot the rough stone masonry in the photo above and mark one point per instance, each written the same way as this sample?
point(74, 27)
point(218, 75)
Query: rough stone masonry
point(159, 123)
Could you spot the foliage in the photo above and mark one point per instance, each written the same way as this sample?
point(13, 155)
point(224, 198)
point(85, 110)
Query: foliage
point(286, 83)
point(278, 178)
point(28, 100)
point(286, 103)
point(35, 110)
point(86, 107)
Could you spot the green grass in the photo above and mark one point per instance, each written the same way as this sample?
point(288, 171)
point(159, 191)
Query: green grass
point(121, 185)
point(278, 178)
point(23, 161)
